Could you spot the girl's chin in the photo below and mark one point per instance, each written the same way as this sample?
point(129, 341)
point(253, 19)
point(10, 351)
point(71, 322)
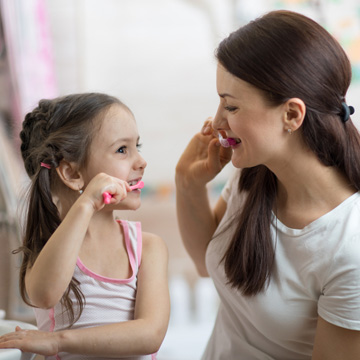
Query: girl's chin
point(127, 205)
point(131, 205)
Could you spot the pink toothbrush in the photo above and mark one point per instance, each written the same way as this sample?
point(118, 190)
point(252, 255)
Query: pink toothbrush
point(226, 142)
point(107, 196)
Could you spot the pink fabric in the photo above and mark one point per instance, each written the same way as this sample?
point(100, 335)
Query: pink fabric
point(30, 54)
point(52, 326)
point(139, 244)
point(52, 319)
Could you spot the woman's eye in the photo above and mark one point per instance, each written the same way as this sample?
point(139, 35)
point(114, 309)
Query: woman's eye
point(122, 150)
point(138, 146)
point(230, 108)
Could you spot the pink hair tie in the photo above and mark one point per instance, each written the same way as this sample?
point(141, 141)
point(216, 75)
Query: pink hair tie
point(45, 165)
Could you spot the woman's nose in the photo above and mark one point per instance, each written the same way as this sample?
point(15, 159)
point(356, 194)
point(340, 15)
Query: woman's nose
point(220, 121)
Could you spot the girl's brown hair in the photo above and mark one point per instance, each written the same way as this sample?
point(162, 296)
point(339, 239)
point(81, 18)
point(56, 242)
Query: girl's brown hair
point(57, 129)
point(286, 55)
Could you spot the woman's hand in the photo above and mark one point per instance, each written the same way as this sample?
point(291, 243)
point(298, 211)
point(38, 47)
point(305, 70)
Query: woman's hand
point(33, 341)
point(202, 159)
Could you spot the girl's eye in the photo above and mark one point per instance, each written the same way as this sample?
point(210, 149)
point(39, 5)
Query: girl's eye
point(138, 146)
point(230, 108)
point(122, 150)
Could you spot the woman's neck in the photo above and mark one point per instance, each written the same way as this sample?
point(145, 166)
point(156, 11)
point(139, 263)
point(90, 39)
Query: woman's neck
point(307, 190)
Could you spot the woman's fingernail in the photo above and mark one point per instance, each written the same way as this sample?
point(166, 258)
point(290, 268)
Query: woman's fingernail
point(206, 129)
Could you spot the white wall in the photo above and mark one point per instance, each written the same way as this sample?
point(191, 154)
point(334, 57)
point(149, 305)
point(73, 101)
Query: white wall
point(157, 56)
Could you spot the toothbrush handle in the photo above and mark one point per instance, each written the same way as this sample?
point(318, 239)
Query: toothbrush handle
point(107, 196)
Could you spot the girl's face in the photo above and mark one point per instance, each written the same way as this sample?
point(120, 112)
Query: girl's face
point(115, 151)
point(244, 114)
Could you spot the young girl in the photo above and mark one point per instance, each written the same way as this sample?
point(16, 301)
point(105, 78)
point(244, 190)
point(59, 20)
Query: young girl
point(98, 285)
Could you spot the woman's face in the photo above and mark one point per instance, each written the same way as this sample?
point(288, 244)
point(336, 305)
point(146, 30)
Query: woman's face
point(244, 114)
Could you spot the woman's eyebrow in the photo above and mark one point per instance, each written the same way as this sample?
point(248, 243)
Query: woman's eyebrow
point(226, 95)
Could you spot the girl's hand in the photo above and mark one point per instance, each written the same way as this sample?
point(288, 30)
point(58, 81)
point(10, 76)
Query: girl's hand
point(101, 183)
point(202, 159)
point(33, 341)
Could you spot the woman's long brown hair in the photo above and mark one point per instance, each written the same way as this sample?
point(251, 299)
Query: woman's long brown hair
point(286, 55)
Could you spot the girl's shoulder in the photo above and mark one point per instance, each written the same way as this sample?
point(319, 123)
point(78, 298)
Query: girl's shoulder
point(154, 249)
point(152, 241)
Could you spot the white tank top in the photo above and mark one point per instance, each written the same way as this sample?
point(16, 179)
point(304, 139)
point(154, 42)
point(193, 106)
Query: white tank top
point(108, 300)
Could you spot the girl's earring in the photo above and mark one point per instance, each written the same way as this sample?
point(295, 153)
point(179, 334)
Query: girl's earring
point(289, 131)
point(81, 191)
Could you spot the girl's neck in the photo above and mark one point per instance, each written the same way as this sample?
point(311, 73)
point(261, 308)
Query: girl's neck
point(102, 226)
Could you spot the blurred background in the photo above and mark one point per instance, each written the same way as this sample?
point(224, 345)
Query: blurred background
point(158, 57)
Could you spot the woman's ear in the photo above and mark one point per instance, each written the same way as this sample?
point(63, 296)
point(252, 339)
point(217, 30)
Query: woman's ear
point(70, 175)
point(295, 114)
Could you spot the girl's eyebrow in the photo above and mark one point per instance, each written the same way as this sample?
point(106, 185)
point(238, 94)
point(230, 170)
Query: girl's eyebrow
point(124, 140)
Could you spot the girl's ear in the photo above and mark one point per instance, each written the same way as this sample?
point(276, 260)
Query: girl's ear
point(70, 175)
point(295, 114)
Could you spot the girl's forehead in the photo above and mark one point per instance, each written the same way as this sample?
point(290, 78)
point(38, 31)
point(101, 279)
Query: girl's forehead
point(119, 112)
point(117, 122)
point(120, 117)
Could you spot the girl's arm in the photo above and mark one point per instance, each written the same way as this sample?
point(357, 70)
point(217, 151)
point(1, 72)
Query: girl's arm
point(53, 269)
point(334, 343)
point(140, 336)
point(50, 275)
point(201, 161)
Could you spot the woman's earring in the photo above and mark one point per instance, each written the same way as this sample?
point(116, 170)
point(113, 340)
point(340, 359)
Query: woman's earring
point(81, 191)
point(289, 131)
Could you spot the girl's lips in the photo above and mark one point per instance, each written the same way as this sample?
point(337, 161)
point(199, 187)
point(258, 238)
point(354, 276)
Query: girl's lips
point(137, 186)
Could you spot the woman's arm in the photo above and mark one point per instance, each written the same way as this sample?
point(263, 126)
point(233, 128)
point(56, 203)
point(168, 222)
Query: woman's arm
point(140, 336)
point(197, 224)
point(335, 343)
point(201, 161)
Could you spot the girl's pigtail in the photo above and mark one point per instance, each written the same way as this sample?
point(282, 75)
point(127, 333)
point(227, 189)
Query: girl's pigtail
point(42, 221)
point(40, 226)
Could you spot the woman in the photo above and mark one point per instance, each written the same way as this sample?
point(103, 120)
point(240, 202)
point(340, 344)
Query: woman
point(282, 243)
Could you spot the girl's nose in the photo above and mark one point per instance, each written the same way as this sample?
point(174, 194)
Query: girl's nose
point(141, 163)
